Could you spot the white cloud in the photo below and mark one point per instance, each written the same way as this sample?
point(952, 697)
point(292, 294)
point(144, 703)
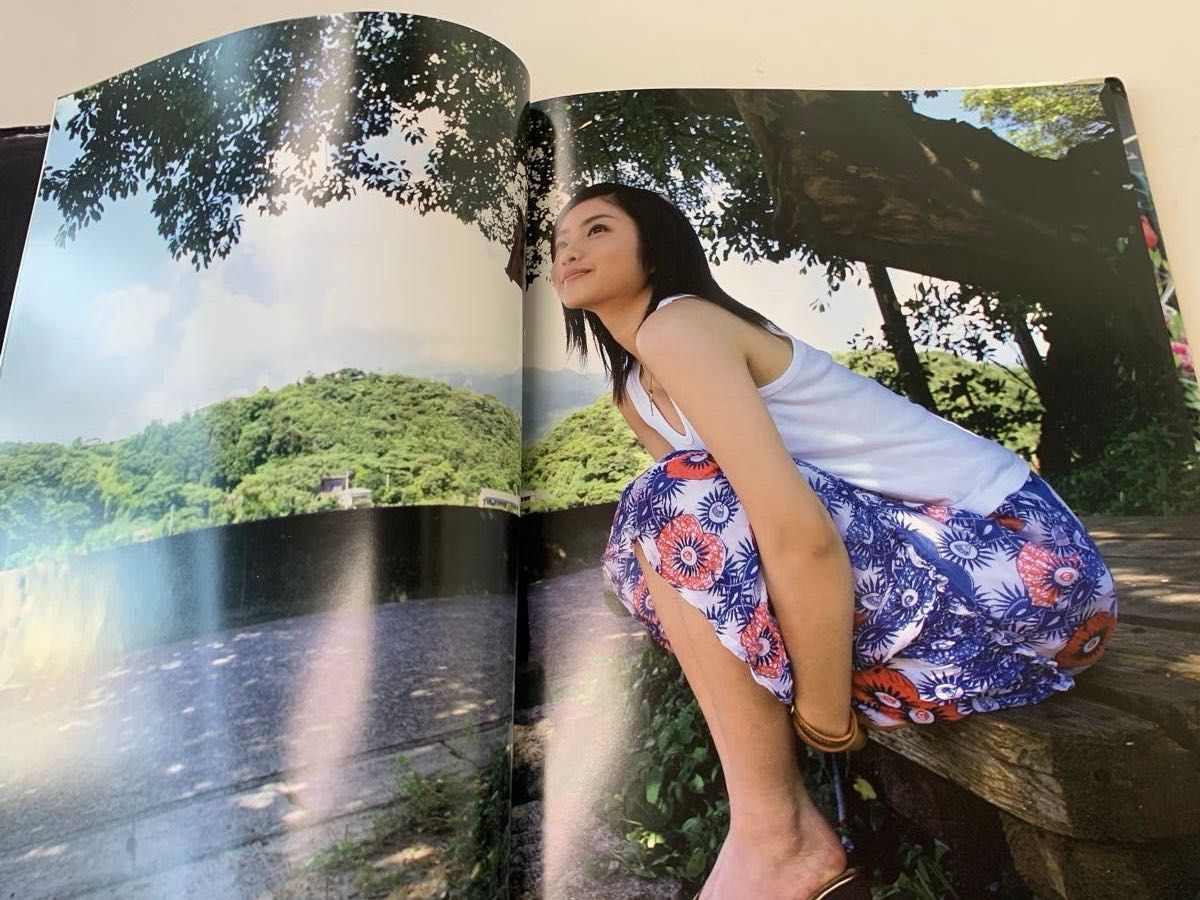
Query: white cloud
point(365, 284)
point(126, 321)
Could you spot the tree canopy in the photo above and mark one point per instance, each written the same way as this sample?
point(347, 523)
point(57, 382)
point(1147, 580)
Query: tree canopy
point(1047, 120)
point(1044, 224)
point(834, 178)
point(246, 122)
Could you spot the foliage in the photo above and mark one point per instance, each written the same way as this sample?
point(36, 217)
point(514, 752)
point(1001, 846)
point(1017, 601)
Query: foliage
point(921, 875)
point(464, 818)
point(1046, 120)
point(408, 440)
point(246, 121)
point(668, 800)
point(692, 147)
point(1184, 364)
point(587, 459)
point(1134, 476)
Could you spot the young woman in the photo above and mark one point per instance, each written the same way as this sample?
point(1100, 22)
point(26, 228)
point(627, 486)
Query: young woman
point(819, 553)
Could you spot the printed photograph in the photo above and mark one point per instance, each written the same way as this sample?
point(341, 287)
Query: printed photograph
point(259, 472)
point(863, 490)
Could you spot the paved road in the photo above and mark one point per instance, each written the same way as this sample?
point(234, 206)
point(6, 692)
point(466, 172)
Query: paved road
point(187, 748)
point(570, 619)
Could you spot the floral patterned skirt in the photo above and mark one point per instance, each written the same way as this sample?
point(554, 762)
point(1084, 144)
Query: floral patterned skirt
point(955, 612)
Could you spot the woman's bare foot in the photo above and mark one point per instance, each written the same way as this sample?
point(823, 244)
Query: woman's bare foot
point(788, 862)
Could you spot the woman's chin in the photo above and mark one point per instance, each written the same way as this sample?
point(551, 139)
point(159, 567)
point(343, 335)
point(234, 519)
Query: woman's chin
point(574, 299)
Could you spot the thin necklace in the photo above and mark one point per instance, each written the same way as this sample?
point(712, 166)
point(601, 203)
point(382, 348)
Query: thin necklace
point(650, 390)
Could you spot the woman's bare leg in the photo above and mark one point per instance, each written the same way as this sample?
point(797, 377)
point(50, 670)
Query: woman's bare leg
point(779, 845)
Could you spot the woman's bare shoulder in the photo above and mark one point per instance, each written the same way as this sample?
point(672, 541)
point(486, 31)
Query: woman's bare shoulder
point(692, 321)
point(686, 318)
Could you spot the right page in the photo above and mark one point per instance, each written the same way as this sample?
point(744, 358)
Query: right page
point(993, 257)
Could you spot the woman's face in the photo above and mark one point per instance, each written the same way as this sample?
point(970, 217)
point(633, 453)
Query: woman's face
point(596, 255)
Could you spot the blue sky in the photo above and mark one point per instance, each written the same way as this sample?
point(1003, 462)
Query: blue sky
point(947, 105)
point(110, 333)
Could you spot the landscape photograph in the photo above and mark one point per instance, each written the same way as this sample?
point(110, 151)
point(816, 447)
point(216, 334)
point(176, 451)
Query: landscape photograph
point(260, 469)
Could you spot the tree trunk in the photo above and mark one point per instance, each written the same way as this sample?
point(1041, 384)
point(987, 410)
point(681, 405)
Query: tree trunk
point(861, 176)
point(895, 331)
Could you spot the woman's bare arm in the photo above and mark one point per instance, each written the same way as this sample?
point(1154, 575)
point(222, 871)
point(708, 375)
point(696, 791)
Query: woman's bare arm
point(690, 348)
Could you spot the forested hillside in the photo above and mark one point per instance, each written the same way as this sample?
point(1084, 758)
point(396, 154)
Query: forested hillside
point(409, 440)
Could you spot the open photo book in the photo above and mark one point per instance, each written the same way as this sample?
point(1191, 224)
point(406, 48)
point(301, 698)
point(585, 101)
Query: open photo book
point(304, 495)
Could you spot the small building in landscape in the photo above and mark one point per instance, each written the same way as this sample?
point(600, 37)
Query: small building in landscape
point(528, 497)
point(493, 499)
point(338, 486)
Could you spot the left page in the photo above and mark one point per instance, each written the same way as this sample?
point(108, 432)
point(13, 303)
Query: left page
point(259, 464)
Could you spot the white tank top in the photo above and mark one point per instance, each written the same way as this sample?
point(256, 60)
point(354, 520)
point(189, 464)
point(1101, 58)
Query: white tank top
point(853, 427)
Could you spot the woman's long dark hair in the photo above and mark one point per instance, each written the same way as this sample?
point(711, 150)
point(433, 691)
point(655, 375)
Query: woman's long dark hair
point(672, 257)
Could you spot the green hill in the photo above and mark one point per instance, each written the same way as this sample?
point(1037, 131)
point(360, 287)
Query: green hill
point(585, 460)
point(409, 440)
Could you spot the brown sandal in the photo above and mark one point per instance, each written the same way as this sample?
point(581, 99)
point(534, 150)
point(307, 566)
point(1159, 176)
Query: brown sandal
point(850, 885)
point(854, 739)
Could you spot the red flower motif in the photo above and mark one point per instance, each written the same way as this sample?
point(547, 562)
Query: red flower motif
point(643, 604)
point(1183, 356)
point(763, 644)
point(691, 557)
point(947, 712)
point(1089, 641)
point(937, 511)
point(692, 466)
point(1148, 232)
point(885, 691)
point(1047, 576)
point(1012, 523)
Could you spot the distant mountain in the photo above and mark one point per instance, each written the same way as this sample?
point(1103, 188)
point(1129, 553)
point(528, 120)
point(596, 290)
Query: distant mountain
point(505, 388)
point(551, 395)
point(546, 397)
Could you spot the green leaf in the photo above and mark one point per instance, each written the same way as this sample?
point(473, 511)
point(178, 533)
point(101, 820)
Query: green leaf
point(863, 788)
point(652, 788)
point(696, 864)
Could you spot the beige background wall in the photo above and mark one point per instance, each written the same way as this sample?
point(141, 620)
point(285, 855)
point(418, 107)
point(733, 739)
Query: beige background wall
point(55, 46)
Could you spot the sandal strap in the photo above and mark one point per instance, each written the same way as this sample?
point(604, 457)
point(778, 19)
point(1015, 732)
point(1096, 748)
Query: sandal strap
point(849, 884)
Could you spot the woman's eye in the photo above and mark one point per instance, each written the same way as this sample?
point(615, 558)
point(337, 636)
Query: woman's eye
point(594, 227)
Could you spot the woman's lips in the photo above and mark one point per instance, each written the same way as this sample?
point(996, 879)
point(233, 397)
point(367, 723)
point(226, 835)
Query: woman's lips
point(575, 275)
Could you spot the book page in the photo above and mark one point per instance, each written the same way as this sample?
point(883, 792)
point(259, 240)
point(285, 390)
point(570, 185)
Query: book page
point(260, 424)
point(991, 255)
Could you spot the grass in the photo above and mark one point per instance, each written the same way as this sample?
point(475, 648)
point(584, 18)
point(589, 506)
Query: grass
point(444, 836)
